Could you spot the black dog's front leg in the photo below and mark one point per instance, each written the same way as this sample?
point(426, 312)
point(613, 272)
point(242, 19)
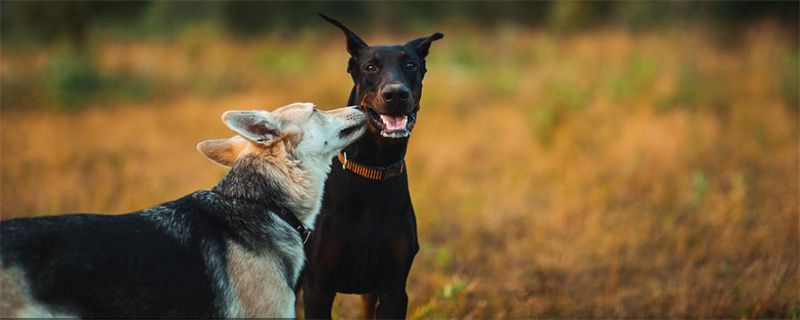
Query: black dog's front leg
point(392, 303)
point(317, 303)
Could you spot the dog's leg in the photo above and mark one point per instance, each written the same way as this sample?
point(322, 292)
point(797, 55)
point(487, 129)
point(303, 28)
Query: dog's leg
point(317, 304)
point(392, 303)
point(368, 305)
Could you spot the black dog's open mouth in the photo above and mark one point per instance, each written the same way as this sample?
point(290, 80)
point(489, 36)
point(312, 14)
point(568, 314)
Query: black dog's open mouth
point(391, 126)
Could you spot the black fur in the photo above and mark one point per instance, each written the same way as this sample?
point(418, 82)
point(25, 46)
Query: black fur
point(365, 238)
point(166, 261)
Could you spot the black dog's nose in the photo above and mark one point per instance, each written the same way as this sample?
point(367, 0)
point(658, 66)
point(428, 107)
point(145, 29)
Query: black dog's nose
point(394, 91)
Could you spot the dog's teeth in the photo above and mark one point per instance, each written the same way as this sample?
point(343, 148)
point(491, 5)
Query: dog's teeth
point(402, 133)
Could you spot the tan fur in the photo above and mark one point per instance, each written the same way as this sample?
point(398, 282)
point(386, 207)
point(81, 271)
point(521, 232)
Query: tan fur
point(226, 151)
point(368, 305)
point(276, 155)
point(16, 301)
point(11, 290)
point(257, 280)
point(223, 151)
point(292, 150)
point(297, 183)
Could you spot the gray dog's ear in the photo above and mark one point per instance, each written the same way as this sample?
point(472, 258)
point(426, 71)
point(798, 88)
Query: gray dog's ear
point(258, 126)
point(422, 45)
point(354, 42)
point(223, 151)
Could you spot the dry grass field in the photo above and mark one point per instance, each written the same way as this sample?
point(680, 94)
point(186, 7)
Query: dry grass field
point(599, 174)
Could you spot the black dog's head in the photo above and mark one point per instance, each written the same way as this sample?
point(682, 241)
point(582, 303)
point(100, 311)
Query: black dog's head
point(388, 82)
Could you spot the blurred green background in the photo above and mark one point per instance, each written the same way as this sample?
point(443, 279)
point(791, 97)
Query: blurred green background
point(571, 159)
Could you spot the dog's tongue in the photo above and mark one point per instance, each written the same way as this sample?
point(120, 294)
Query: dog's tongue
point(394, 122)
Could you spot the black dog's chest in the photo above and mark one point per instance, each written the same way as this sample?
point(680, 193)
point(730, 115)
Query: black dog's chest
point(370, 257)
point(366, 233)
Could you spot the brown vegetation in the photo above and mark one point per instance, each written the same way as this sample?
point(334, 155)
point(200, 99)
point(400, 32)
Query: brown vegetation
point(597, 174)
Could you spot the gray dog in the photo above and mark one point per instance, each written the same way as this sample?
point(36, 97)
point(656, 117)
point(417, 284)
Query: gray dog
point(233, 251)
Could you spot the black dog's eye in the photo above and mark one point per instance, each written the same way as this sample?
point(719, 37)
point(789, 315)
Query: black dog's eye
point(371, 67)
point(411, 66)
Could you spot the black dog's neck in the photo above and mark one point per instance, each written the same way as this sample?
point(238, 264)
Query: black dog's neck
point(371, 150)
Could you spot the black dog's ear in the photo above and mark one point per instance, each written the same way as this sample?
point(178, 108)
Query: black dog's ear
point(354, 42)
point(421, 45)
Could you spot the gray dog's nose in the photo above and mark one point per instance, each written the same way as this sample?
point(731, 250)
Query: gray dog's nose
point(395, 91)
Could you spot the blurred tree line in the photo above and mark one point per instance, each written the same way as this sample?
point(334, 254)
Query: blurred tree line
point(73, 20)
point(69, 30)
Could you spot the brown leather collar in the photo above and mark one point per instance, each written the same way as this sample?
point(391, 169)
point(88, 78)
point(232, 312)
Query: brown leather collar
point(372, 173)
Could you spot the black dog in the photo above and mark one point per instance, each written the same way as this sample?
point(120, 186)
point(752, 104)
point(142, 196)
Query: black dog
point(366, 235)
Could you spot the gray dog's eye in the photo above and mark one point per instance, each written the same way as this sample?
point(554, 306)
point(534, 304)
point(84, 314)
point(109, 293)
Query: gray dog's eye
point(371, 67)
point(411, 66)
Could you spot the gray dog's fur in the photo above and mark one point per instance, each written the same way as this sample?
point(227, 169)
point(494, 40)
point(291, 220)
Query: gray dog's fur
point(227, 252)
